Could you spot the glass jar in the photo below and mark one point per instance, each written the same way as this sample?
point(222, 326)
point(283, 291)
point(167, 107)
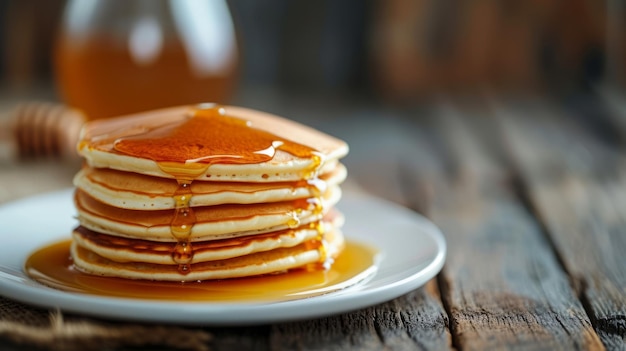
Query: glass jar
point(116, 57)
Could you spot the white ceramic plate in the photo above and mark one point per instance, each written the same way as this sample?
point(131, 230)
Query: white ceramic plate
point(412, 251)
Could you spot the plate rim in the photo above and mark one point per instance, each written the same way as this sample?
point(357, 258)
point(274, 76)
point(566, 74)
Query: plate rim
point(19, 287)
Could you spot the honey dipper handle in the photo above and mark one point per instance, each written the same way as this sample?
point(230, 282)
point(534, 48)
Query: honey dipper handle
point(43, 129)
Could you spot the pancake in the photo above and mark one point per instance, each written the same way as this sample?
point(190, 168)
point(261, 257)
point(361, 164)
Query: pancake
point(134, 250)
point(101, 141)
point(206, 192)
point(211, 222)
point(140, 192)
point(260, 263)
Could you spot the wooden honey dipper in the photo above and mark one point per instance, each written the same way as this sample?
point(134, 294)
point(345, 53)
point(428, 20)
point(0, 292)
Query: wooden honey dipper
point(44, 129)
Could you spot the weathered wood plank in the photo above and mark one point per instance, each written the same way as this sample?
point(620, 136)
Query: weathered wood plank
point(502, 284)
point(415, 321)
point(239, 338)
point(577, 185)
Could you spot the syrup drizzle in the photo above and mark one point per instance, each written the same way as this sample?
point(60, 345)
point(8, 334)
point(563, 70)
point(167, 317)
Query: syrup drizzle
point(182, 223)
point(209, 136)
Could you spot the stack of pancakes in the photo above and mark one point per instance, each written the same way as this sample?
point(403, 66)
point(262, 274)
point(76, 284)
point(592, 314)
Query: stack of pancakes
point(206, 192)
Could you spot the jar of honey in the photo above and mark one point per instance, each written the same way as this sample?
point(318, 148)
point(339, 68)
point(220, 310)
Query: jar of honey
point(119, 57)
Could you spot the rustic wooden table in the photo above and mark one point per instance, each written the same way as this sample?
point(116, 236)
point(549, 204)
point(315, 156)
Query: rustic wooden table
point(530, 195)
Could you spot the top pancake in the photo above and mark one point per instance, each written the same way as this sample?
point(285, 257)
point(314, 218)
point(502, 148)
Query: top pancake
point(100, 146)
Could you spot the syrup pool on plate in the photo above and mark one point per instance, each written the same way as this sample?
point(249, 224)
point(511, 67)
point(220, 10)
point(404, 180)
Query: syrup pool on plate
point(52, 266)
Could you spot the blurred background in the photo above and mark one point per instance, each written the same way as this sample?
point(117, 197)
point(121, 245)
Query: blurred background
point(397, 51)
point(374, 73)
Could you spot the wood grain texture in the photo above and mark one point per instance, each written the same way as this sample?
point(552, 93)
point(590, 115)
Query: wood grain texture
point(239, 338)
point(577, 185)
point(415, 321)
point(502, 284)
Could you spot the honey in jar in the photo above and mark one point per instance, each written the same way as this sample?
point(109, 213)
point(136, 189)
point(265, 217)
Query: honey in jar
point(114, 58)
